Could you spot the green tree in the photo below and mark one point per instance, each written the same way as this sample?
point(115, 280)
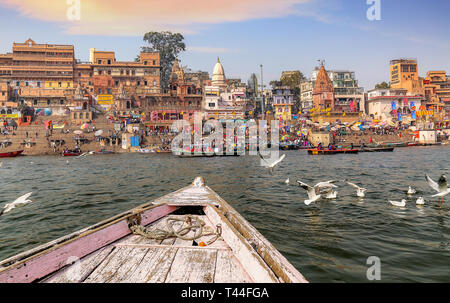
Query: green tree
point(383, 85)
point(292, 79)
point(169, 45)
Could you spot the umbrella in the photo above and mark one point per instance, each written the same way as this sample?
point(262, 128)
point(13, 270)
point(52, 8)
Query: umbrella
point(98, 133)
point(84, 126)
point(78, 132)
point(284, 138)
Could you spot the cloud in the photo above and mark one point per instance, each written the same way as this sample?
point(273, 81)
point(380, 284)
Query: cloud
point(135, 17)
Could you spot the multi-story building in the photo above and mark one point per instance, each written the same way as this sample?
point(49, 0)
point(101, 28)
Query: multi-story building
point(181, 102)
point(395, 105)
point(404, 74)
point(437, 93)
point(306, 95)
point(39, 65)
point(282, 103)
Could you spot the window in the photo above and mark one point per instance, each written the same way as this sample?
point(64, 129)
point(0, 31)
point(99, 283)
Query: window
point(154, 62)
point(145, 83)
point(17, 83)
point(35, 102)
point(145, 62)
point(212, 105)
point(61, 102)
point(26, 83)
point(48, 102)
point(109, 61)
point(59, 84)
point(99, 61)
point(116, 83)
point(39, 84)
point(139, 83)
point(109, 91)
point(154, 82)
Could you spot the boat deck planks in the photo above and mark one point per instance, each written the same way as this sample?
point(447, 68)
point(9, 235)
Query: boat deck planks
point(110, 253)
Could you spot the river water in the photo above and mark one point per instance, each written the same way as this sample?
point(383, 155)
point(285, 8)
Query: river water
point(326, 241)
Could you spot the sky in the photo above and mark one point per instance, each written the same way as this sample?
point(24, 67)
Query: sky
point(279, 34)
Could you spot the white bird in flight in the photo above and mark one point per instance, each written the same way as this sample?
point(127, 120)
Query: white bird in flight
point(411, 191)
point(420, 201)
point(441, 187)
point(273, 164)
point(19, 202)
point(398, 204)
point(313, 197)
point(360, 191)
point(287, 181)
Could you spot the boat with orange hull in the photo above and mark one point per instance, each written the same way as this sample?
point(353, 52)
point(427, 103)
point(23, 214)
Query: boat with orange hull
point(332, 152)
point(11, 154)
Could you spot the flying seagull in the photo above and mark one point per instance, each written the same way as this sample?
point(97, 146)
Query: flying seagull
point(287, 181)
point(398, 204)
point(411, 191)
point(273, 164)
point(313, 197)
point(21, 201)
point(360, 191)
point(441, 187)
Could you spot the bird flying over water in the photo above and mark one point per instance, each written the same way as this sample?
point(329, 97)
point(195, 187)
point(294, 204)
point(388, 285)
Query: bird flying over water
point(313, 197)
point(19, 202)
point(360, 191)
point(441, 186)
point(287, 181)
point(273, 164)
point(398, 204)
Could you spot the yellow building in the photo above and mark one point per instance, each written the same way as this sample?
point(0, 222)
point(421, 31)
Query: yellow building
point(404, 74)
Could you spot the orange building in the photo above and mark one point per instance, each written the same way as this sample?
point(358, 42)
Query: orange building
point(323, 91)
point(404, 74)
point(437, 93)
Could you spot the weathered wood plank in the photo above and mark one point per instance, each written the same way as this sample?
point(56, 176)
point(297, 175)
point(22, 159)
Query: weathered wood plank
point(229, 270)
point(117, 266)
point(77, 272)
point(193, 266)
point(254, 264)
point(51, 260)
point(154, 267)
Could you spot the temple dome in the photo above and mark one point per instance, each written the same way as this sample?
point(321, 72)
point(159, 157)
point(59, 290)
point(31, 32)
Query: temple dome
point(218, 78)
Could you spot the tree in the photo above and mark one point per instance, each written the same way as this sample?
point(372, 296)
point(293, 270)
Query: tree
point(383, 85)
point(275, 83)
point(169, 45)
point(292, 79)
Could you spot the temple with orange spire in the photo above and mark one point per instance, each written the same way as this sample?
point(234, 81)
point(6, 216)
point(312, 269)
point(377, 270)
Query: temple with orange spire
point(323, 91)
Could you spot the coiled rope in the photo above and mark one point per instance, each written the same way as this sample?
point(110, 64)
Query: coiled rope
point(191, 224)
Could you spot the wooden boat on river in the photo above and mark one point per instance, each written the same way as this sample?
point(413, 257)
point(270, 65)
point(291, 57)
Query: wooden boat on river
point(11, 154)
point(332, 152)
point(136, 247)
point(376, 149)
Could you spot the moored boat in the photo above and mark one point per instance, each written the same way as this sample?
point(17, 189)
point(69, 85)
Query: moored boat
point(72, 153)
point(376, 149)
point(11, 154)
point(332, 152)
point(189, 236)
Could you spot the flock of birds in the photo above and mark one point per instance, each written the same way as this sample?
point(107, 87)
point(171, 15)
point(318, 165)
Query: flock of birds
point(327, 189)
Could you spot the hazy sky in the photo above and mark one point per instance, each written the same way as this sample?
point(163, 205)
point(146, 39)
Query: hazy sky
point(280, 34)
